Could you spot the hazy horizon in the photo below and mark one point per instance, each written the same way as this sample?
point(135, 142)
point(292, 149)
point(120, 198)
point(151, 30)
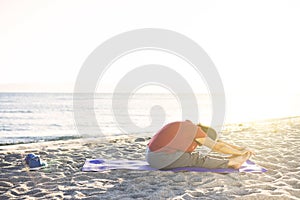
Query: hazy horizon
point(45, 43)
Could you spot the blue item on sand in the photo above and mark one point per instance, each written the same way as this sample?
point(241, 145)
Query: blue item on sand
point(34, 161)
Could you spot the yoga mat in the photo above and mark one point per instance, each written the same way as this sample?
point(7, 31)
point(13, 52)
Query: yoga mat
point(97, 165)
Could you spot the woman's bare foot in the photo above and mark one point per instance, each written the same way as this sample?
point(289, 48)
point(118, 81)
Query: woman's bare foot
point(236, 162)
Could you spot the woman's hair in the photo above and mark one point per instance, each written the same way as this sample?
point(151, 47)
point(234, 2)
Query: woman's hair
point(212, 133)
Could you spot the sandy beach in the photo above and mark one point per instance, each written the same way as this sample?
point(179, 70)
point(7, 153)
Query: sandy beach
point(276, 143)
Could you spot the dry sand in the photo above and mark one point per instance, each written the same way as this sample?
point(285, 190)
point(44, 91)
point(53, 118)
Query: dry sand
point(276, 142)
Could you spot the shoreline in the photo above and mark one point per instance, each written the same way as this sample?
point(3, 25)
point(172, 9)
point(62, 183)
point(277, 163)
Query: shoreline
point(276, 143)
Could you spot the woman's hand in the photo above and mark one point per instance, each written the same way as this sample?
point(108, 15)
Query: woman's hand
point(245, 150)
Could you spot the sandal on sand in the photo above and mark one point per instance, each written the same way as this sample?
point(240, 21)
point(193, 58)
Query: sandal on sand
point(34, 162)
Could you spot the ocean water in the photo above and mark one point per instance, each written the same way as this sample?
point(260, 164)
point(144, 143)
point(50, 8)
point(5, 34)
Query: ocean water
point(28, 117)
point(33, 117)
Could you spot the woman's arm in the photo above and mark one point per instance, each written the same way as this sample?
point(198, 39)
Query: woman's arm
point(226, 149)
point(238, 147)
point(219, 147)
point(232, 146)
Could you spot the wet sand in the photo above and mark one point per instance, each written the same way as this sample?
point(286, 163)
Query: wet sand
point(276, 143)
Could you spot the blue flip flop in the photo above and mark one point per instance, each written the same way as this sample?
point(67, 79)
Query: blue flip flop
point(34, 162)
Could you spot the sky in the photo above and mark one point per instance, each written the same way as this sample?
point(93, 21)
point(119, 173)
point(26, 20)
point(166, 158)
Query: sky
point(254, 45)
